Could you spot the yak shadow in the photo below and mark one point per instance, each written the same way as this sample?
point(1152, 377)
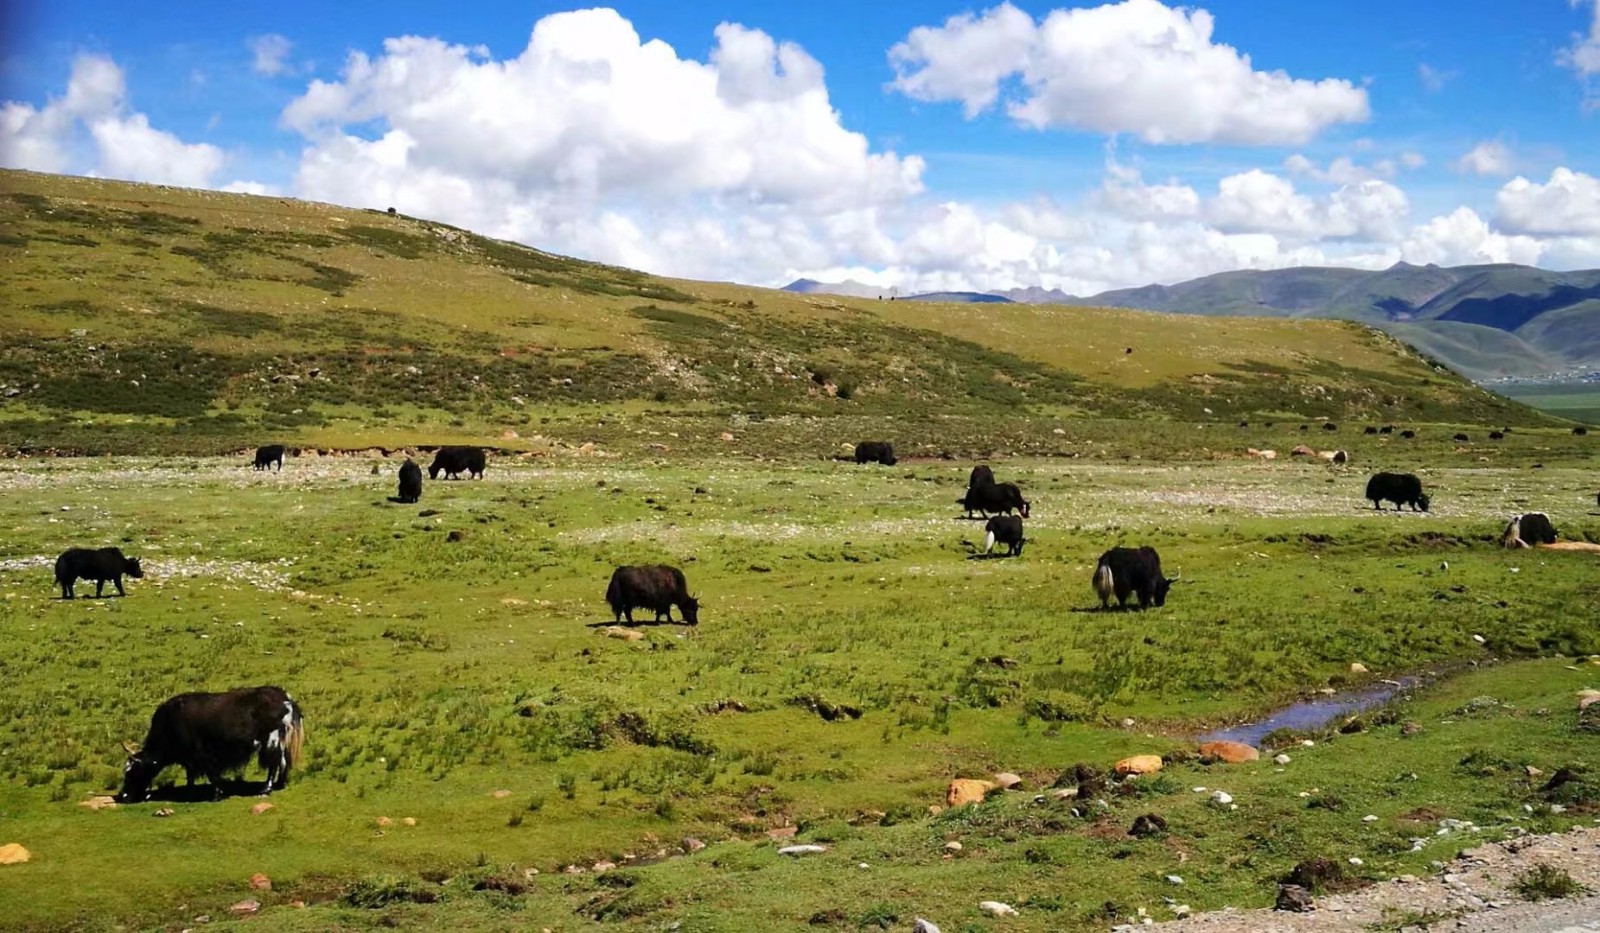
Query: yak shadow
point(996, 555)
point(202, 791)
point(111, 595)
point(399, 501)
point(637, 623)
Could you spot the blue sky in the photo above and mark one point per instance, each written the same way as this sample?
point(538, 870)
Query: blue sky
point(914, 144)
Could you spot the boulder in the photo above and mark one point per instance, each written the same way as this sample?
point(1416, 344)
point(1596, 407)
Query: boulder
point(966, 790)
point(1138, 764)
point(12, 853)
point(626, 634)
point(1005, 780)
point(245, 908)
point(1231, 752)
point(1292, 897)
point(1302, 450)
point(260, 882)
point(1356, 667)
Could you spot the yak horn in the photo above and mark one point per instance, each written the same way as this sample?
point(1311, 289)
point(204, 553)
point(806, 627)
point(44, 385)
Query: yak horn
point(1178, 575)
point(130, 749)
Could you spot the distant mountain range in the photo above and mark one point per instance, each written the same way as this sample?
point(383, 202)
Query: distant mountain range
point(1487, 322)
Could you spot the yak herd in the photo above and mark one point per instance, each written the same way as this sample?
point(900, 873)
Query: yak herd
point(208, 734)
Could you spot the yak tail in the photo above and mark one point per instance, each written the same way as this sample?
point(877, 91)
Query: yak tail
point(988, 542)
point(1104, 584)
point(294, 737)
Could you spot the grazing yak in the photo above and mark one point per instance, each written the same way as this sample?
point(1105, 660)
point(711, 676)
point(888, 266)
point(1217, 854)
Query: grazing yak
point(1004, 529)
point(107, 563)
point(209, 733)
point(457, 460)
point(410, 482)
point(1462, 438)
point(268, 455)
point(1400, 488)
point(1497, 435)
point(1527, 530)
point(1580, 430)
point(981, 476)
point(656, 587)
point(1369, 429)
point(995, 497)
point(875, 452)
point(1125, 571)
point(1408, 434)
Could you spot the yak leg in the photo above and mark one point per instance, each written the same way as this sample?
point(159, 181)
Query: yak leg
point(66, 590)
point(118, 582)
point(99, 585)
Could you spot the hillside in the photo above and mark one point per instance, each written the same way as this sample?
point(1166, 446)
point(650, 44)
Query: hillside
point(208, 320)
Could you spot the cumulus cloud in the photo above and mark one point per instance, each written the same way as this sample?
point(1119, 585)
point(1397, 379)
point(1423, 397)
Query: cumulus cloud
point(1125, 194)
point(1567, 205)
point(1463, 238)
point(269, 54)
point(1260, 202)
point(1137, 67)
point(124, 144)
point(1490, 157)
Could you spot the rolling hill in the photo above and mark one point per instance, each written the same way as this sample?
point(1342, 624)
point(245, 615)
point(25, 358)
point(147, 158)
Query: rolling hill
point(141, 317)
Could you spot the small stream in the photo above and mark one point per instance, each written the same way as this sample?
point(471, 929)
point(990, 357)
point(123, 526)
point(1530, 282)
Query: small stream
point(1311, 714)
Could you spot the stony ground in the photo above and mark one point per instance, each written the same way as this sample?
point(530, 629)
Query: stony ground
point(1473, 892)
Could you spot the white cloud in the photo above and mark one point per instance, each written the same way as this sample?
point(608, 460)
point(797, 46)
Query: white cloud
point(269, 54)
point(1125, 194)
point(1341, 171)
point(1567, 205)
point(1412, 160)
point(125, 145)
point(1583, 56)
point(252, 187)
point(1464, 238)
point(1260, 202)
point(1433, 79)
point(1490, 157)
point(1132, 67)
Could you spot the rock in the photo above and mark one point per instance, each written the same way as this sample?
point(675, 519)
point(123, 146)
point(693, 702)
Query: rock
point(1005, 780)
point(966, 790)
point(164, 811)
point(782, 832)
point(726, 436)
point(603, 866)
point(1532, 771)
point(456, 535)
point(1587, 698)
point(1356, 667)
point(1138, 764)
point(500, 794)
point(1369, 818)
point(12, 853)
point(244, 908)
point(952, 846)
point(1294, 898)
point(1149, 824)
point(626, 634)
point(1174, 879)
point(1221, 798)
point(260, 882)
point(260, 808)
point(1281, 759)
point(1064, 793)
point(409, 821)
point(99, 803)
point(802, 850)
point(385, 821)
point(1410, 728)
point(997, 909)
point(1354, 860)
point(923, 926)
point(691, 844)
point(1231, 752)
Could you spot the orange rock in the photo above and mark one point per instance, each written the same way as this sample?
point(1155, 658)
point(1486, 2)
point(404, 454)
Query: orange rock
point(98, 803)
point(1231, 752)
point(1138, 764)
point(384, 821)
point(260, 808)
point(12, 853)
point(966, 790)
point(782, 832)
point(260, 882)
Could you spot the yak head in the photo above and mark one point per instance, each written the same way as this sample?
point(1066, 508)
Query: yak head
point(433, 471)
point(131, 567)
point(1159, 597)
point(1024, 509)
point(691, 610)
point(137, 774)
point(1422, 501)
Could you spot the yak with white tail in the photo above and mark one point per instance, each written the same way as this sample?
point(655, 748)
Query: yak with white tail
point(1125, 571)
point(211, 733)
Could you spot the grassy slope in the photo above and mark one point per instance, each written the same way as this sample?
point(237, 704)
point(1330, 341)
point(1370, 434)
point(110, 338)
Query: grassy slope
point(193, 320)
point(435, 672)
point(1478, 351)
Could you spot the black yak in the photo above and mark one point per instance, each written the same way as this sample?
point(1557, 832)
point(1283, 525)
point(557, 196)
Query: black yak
point(875, 452)
point(1400, 488)
point(410, 482)
point(996, 497)
point(1527, 530)
point(101, 565)
point(1125, 571)
point(1006, 530)
point(268, 455)
point(457, 460)
point(655, 587)
point(209, 733)
point(981, 475)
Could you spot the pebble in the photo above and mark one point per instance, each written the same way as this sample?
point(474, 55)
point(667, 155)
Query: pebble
point(997, 909)
point(952, 846)
point(1174, 879)
point(1356, 861)
point(1221, 798)
point(802, 850)
point(1281, 758)
point(923, 926)
point(1369, 818)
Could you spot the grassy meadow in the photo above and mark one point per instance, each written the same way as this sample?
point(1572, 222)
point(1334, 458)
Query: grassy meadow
point(852, 658)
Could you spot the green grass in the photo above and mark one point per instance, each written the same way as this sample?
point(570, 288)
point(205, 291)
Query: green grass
point(1579, 401)
point(434, 673)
